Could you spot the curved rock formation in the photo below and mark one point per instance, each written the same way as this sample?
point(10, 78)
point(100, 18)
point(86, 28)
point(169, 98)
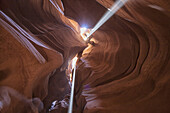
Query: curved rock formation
point(126, 70)
point(36, 39)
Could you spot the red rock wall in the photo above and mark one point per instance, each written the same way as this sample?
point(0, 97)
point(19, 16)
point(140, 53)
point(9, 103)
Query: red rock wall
point(127, 71)
point(35, 40)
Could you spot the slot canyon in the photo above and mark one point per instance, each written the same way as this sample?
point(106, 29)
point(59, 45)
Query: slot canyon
point(124, 67)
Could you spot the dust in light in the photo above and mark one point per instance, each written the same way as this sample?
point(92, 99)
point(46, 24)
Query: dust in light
point(73, 65)
point(84, 32)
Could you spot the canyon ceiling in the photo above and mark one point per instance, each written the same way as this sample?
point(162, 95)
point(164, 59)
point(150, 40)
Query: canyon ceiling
point(125, 70)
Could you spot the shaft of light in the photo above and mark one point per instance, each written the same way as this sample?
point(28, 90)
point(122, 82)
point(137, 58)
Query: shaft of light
point(73, 84)
point(72, 92)
point(115, 7)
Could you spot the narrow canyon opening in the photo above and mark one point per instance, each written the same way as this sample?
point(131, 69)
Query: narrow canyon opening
point(123, 67)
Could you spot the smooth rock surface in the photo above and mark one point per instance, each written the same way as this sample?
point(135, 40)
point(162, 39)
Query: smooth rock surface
point(126, 70)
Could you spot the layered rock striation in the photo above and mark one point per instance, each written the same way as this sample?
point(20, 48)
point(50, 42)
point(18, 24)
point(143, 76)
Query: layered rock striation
point(126, 70)
point(36, 40)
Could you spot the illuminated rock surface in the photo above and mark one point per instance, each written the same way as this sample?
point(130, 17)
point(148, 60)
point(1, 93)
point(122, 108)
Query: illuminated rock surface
point(126, 71)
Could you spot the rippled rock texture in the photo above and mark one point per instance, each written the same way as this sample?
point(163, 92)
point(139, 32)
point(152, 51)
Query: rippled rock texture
point(125, 71)
point(35, 40)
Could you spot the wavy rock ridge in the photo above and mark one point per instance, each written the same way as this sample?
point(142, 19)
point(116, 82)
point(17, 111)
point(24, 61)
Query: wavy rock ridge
point(125, 71)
